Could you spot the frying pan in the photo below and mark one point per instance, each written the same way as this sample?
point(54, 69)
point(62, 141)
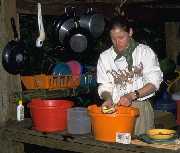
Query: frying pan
point(78, 40)
point(14, 55)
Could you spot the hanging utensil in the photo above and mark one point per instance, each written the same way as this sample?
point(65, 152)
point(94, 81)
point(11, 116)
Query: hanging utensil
point(63, 24)
point(14, 55)
point(78, 40)
point(73, 37)
point(41, 38)
point(93, 22)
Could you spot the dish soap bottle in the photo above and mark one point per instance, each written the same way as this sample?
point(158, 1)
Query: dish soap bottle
point(20, 111)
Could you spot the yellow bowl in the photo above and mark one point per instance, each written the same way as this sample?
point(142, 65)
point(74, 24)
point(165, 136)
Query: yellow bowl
point(161, 134)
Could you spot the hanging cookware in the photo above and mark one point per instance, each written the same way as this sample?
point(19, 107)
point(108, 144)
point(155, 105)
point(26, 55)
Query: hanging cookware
point(70, 34)
point(94, 22)
point(63, 24)
point(41, 37)
point(14, 55)
point(78, 40)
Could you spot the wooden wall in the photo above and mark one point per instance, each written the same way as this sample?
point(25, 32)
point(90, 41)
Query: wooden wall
point(172, 30)
point(9, 83)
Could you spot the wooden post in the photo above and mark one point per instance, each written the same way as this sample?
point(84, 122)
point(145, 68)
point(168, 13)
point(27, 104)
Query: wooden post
point(172, 30)
point(9, 83)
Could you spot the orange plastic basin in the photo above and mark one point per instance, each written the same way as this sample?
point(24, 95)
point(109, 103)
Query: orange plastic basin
point(105, 126)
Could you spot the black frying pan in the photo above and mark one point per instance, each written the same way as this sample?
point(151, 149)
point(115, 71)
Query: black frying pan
point(14, 55)
point(78, 40)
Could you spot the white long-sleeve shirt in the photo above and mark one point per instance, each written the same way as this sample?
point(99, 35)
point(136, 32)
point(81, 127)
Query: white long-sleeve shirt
point(144, 60)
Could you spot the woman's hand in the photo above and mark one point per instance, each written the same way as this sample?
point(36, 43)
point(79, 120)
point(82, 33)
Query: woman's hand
point(126, 100)
point(107, 103)
point(107, 107)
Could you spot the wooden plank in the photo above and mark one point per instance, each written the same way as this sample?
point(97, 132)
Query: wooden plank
point(22, 132)
point(172, 31)
point(9, 146)
point(9, 83)
point(62, 93)
point(55, 7)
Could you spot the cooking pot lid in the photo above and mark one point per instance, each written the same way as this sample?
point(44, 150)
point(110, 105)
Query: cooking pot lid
point(78, 42)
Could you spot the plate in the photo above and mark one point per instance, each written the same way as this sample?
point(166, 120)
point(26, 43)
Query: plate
point(147, 139)
point(161, 134)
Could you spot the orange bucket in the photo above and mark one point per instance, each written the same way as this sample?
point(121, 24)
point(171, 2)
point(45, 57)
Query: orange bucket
point(105, 126)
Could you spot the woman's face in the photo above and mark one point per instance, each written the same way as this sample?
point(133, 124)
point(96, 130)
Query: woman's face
point(120, 39)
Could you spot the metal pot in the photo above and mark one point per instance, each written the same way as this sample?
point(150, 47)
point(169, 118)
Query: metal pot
point(93, 22)
point(64, 24)
point(65, 29)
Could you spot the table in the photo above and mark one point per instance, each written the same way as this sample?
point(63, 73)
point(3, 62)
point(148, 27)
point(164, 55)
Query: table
point(18, 133)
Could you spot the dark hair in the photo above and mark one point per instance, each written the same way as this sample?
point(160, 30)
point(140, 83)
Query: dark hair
point(120, 22)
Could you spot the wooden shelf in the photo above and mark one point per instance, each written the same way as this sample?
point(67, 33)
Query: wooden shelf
point(62, 93)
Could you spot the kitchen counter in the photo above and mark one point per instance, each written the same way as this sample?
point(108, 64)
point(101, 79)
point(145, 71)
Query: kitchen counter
point(22, 132)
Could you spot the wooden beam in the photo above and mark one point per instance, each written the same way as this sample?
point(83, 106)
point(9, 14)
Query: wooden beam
point(9, 83)
point(56, 7)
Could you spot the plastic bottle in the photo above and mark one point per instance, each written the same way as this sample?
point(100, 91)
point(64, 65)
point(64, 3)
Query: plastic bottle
point(20, 111)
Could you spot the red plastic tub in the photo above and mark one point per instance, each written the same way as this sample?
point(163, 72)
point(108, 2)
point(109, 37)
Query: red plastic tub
point(49, 115)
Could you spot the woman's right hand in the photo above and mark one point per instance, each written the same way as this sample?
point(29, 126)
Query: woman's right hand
point(107, 103)
point(107, 107)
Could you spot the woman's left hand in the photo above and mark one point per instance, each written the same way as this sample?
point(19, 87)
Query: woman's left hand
point(126, 100)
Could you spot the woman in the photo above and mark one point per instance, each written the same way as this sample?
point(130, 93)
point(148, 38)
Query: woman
point(128, 74)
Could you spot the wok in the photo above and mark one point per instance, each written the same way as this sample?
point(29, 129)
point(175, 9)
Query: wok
point(14, 55)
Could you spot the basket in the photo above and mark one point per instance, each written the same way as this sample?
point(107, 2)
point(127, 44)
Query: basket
point(51, 82)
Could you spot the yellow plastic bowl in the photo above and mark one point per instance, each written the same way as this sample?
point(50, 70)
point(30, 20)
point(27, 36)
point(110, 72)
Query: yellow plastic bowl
point(161, 134)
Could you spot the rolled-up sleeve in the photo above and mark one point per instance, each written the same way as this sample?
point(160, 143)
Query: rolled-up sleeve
point(105, 83)
point(152, 72)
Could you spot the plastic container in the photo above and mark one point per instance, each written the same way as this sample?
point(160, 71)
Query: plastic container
point(78, 121)
point(20, 111)
point(50, 82)
point(106, 126)
point(176, 97)
point(49, 115)
point(75, 67)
